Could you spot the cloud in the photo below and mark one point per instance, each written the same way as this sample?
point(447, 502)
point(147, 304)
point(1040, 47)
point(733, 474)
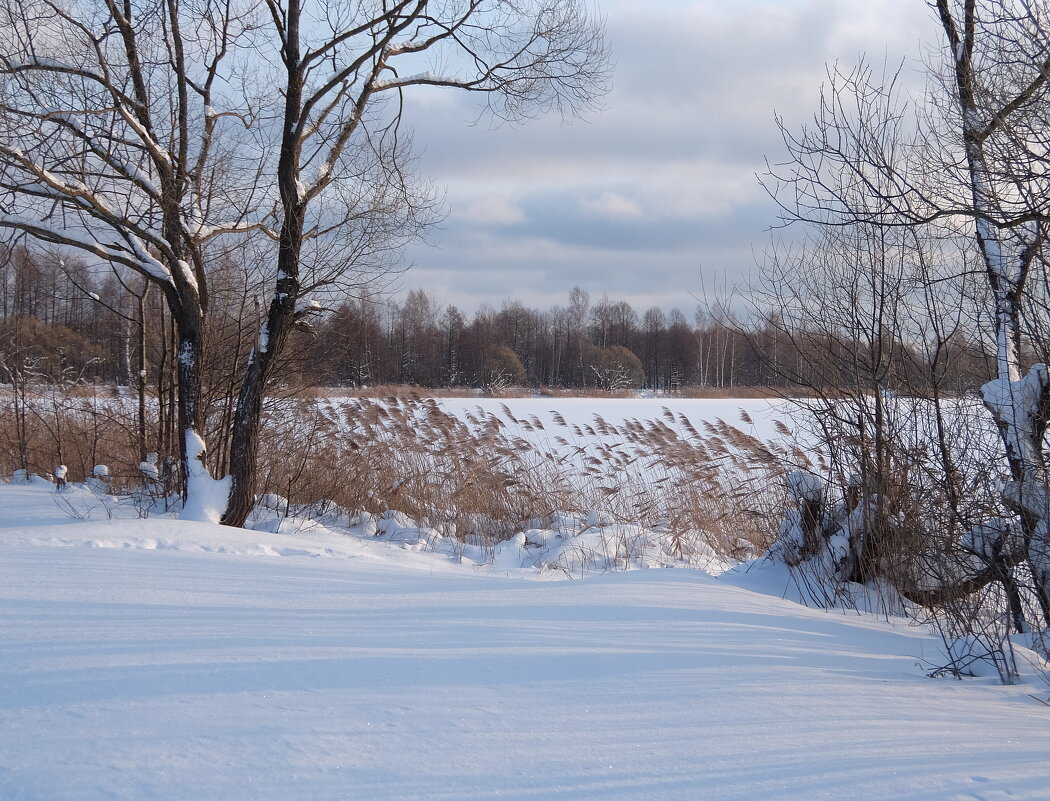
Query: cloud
point(610, 205)
point(490, 210)
point(661, 184)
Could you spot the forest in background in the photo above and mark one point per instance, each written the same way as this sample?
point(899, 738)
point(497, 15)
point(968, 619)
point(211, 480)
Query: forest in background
point(62, 321)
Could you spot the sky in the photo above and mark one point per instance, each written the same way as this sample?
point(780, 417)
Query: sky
point(655, 199)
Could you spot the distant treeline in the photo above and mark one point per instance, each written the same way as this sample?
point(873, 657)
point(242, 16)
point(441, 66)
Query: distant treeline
point(64, 320)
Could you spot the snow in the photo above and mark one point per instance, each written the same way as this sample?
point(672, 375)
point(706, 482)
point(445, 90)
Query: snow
point(320, 179)
point(379, 84)
point(187, 275)
point(149, 469)
point(406, 46)
point(582, 411)
point(1016, 403)
point(587, 414)
point(207, 496)
point(170, 660)
point(134, 172)
point(186, 353)
point(806, 486)
point(264, 337)
point(308, 306)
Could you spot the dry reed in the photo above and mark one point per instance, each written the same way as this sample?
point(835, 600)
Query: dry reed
point(480, 478)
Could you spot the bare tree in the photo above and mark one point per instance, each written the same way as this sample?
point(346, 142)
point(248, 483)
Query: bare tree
point(864, 316)
point(153, 135)
point(111, 144)
point(973, 156)
point(1001, 66)
point(338, 61)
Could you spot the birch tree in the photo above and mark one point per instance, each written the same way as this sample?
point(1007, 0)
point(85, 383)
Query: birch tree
point(999, 54)
point(970, 160)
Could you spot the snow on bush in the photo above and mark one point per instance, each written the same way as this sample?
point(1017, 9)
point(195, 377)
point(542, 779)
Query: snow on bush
point(806, 486)
point(563, 544)
point(149, 470)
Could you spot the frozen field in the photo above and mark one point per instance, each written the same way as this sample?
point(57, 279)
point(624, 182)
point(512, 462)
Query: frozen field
point(617, 410)
point(159, 660)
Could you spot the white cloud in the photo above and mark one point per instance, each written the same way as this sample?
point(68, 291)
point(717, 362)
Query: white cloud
point(611, 206)
point(491, 210)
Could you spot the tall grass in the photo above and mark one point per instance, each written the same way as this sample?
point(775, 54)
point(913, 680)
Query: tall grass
point(79, 426)
point(480, 477)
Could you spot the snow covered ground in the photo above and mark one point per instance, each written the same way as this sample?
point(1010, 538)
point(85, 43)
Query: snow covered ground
point(581, 411)
point(156, 659)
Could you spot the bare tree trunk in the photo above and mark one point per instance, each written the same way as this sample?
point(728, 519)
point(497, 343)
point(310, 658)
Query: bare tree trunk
point(281, 314)
point(191, 349)
point(248, 416)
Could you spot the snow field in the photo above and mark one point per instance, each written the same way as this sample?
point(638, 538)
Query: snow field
point(169, 660)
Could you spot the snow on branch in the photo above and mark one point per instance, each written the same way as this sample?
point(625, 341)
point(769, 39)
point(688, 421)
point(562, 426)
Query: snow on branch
point(1019, 408)
point(136, 256)
point(422, 78)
